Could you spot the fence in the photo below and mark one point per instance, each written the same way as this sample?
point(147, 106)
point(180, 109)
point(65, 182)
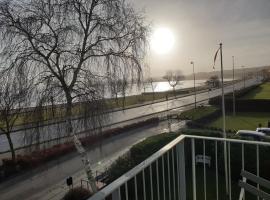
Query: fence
point(172, 172)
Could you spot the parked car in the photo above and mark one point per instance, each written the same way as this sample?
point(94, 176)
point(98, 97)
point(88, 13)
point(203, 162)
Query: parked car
point(264, 130)
point(250, 135)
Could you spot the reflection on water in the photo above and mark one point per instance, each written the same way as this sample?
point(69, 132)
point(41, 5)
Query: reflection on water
point(163, 86)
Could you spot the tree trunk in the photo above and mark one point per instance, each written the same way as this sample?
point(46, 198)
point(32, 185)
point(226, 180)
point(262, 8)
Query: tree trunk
point(78, 145)
point(11, 147)
point(117, 100)
point(69, 113)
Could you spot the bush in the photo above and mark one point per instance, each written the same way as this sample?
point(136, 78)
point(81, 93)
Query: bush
point(244, 105)
point(77, 193)
point(200, 132)
point(138, 153)
point(147, 147)
point(119, 167)
point(9, 167)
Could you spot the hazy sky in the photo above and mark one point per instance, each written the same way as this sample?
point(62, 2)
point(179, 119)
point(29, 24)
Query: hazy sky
point(243, 26)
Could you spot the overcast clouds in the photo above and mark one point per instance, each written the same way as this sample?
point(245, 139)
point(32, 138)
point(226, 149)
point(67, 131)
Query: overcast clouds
point(199, 25)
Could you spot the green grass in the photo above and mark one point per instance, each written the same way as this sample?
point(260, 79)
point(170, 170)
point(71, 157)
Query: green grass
point(144, 98)
point(77, 110)
point(243, 120)
point(260, 92)
point(210, 185)
point(198, 113)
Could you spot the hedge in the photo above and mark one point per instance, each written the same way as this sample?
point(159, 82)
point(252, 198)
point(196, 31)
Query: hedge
point(138, 153)
point(244, 105)
point(77, 193)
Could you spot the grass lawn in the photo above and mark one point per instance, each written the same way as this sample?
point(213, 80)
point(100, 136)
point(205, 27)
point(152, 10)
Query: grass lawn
point(260, 92)
point(210, 185)
point(197, 113)
point(243, 120)
point(47, 113)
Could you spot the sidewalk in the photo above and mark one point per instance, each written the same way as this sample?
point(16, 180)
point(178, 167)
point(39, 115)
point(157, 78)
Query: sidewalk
point(57, 191)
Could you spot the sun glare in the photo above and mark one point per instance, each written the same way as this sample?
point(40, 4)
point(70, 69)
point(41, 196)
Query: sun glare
point(162, 40)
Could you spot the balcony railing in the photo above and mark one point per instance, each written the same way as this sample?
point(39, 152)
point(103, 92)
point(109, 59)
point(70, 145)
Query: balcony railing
point(191, 167)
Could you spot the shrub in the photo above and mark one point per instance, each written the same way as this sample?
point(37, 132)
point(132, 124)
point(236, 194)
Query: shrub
point(147, 147)
point(244, 105)
point(138, 153)
point(9, 167)
point(25, 162)
point(200, 132)
point(119, 167)
point(77, 193)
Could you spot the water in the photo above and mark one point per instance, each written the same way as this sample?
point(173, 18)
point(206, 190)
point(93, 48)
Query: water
point(163, 86)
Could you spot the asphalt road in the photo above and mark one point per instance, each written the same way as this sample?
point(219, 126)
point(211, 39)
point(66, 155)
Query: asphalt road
point(137, 113)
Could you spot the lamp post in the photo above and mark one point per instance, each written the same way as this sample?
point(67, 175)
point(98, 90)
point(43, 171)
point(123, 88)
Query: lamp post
point(223, 119)
point(244, 76)
point(233, 89)
point(192, 63)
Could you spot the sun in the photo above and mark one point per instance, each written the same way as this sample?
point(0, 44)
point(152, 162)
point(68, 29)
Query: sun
point(162, 41)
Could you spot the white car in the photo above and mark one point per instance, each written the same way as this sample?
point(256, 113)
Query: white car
point(264, 130)
point(250, 135)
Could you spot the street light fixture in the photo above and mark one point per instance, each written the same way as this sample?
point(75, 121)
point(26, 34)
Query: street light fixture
point(192, 63)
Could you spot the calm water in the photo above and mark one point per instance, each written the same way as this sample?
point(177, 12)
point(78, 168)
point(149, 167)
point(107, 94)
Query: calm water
point(163, 86)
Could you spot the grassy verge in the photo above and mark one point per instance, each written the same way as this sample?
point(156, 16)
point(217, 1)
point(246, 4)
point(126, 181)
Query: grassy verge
point(198, 113)
point(260, 92)
point(242, 120)
point(45, 113)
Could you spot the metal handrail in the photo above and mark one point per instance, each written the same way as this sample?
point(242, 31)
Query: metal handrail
point(133, 172)
point(228, 140)
point(102, 194)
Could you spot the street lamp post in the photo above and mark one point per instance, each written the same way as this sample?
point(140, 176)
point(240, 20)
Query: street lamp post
point(223, 119)
point(233, 89)
point(192, 63)
point(244, 76)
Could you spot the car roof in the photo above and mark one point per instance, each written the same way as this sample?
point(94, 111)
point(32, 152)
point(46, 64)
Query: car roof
point(250, 132)
point(263, 128)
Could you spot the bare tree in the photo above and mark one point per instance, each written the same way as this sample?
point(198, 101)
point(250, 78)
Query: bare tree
point(173, 78)
point(13, 97)
point(153, 86)
point(265, 73)
point(213, 82)
point(118, 88)
point(74, 46)
point(150, 82)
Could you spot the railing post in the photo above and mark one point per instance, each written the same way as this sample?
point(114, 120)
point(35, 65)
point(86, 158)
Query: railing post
point(182, 172)
point(116, 194)
point(193, 169)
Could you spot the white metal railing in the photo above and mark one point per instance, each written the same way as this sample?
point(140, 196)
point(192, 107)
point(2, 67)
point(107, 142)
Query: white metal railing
point(172, 173)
